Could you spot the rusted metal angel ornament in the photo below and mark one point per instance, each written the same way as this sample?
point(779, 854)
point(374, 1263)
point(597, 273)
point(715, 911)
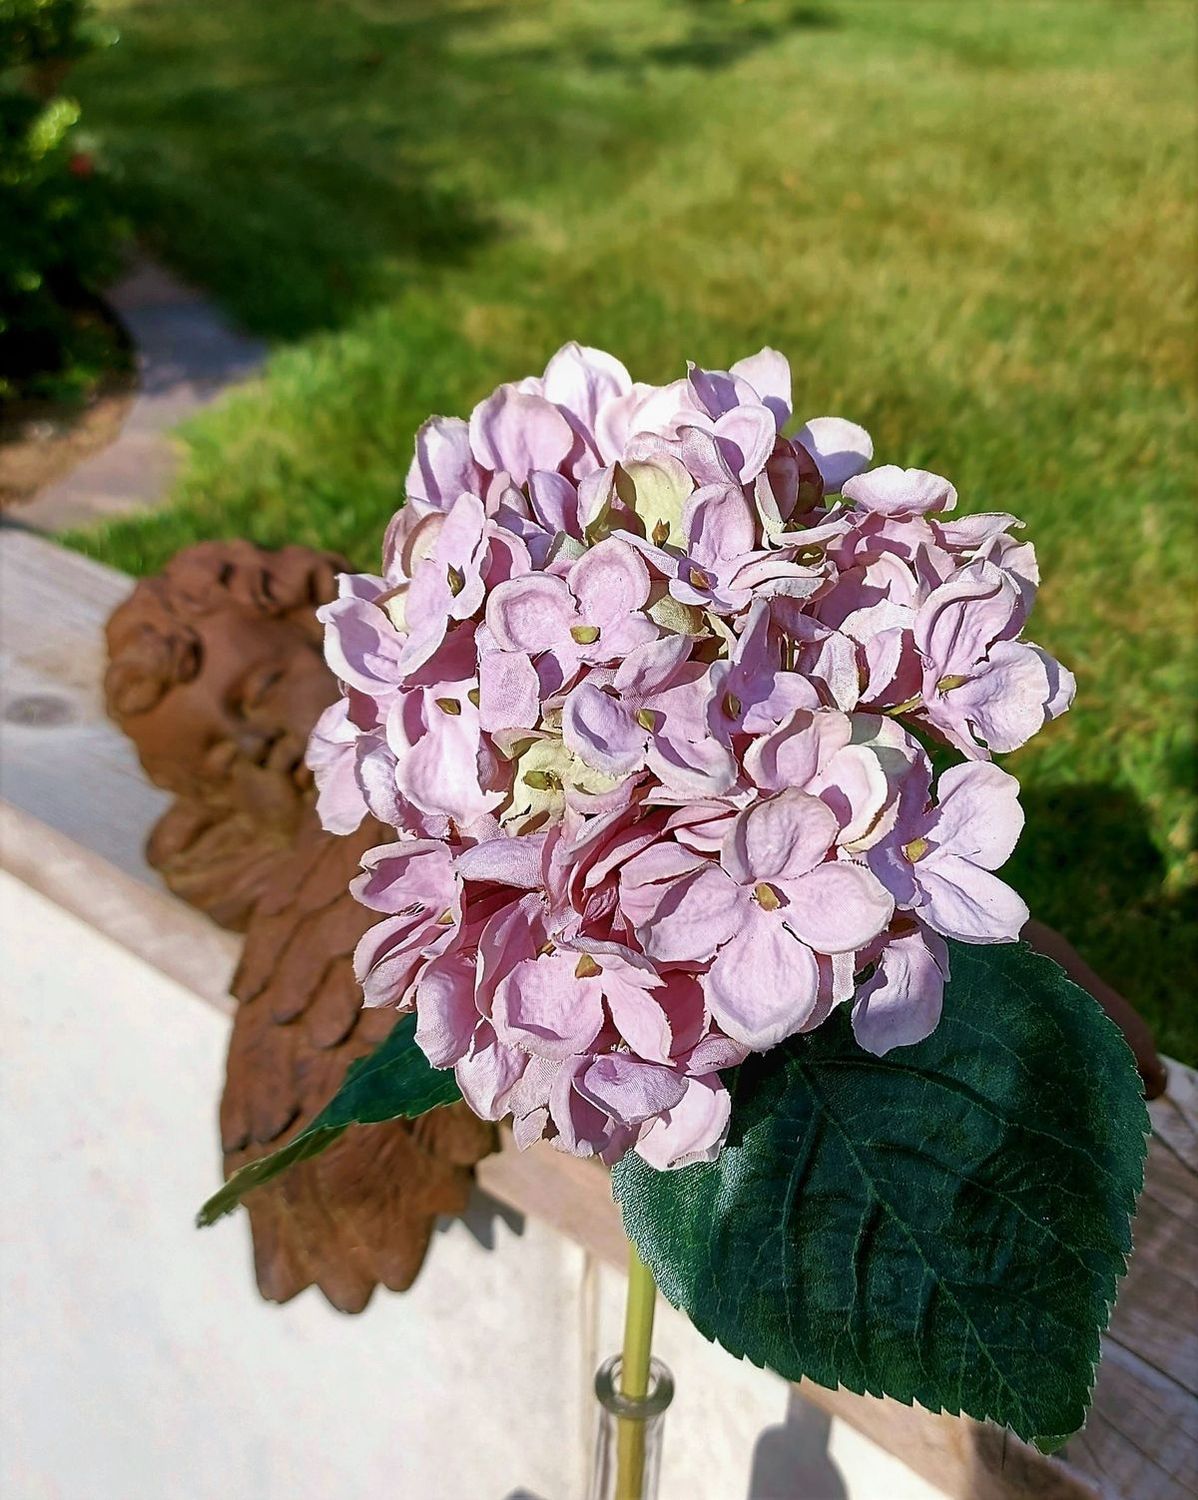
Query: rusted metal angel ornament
point(216, 674)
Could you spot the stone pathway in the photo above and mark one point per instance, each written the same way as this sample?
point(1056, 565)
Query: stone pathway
point(187, 354)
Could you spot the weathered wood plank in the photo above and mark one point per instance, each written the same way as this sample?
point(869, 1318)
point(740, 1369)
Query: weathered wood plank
point(572, 1195)
point(1156, 1317)
point(1175, 1117)
point(60, 758)
point(1141, 1441)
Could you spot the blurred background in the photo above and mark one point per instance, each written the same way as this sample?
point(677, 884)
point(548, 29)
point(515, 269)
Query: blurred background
point(971, 228)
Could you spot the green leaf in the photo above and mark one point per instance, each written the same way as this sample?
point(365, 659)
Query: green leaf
point(395, 1081)
point(946, 1224)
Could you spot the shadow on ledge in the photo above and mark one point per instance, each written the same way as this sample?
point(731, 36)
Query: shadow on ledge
point(792, 1462)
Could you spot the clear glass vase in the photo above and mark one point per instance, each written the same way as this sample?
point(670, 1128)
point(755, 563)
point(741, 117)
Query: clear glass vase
point(628, 1440)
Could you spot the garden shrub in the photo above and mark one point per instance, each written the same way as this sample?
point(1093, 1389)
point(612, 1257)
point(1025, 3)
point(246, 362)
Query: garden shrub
point(61, 235)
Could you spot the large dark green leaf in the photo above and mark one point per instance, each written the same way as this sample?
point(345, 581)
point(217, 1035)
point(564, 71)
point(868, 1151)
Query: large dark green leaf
point(395, 1080)
point(946, 1224)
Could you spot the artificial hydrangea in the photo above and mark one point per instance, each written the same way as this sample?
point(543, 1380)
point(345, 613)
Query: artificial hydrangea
point(640, 689)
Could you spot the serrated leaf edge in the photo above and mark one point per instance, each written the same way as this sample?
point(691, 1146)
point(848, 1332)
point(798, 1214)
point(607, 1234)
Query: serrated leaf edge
point(1046, 1443)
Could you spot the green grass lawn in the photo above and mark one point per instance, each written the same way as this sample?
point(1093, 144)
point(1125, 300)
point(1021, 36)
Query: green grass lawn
point(970, 226)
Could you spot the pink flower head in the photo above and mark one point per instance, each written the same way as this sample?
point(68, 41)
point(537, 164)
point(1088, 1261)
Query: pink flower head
point(634, 690)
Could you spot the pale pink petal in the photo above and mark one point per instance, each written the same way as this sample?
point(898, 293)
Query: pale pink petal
point(444, 466)
point(427, 634)
point(609, 580)
point(900, 1003)
point(893, 670)
point(621, 637)
point(630, 1090)
point(361, 645)
point(612, 853)
point(535, 1085)
point(460, 545)
point(750, 432)
point(555, 502)
point(967, 532)
point(582, 380)
point(768, 372)
point(958, 623)
point(979, 816)
point(614, 422)
point(891, 491)
point(856, 788)
point(692, 917)
point(644, 875)
point(601, 731)
point(488, 1073)
point(331, 756)
point(701, 826)
point(764, 983)
point(707, 459)
point(511, 935)
point(544, 1008)
point(528, 1129)
point(388, 957)
point(661, 408)
point(837, 908)
point(640, 1020)
point(782, 837)
point(691, 768)
point(719, 523)
point(713, 1053)
point(837, 982)
point(407, 874)
point(446, 1015)
point(717, 391)
point(440, 774)
point(683, 704)
point(968, 903)
point(518, 862)
point(651, 668)
point(375, 770)
point(794, 754)
point(839, 448)
point(1008, 701)
point(531, 614)
point(509, 691)
point(693, 1131)
point(582, 1129)
point(1062, 685)
point(517, 433)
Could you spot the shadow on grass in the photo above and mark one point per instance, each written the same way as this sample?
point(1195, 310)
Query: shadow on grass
point(306, 163)
point(1087, 865)
point(715, 40)
point(287, 167)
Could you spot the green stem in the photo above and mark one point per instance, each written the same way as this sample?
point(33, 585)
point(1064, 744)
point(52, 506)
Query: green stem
point(634, 1376)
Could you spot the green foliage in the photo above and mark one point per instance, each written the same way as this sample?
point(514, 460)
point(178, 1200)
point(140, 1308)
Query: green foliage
point(971, 227)
point(944, 1225)
point(48, 31)
point(60, 236)
point(395, 1080)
